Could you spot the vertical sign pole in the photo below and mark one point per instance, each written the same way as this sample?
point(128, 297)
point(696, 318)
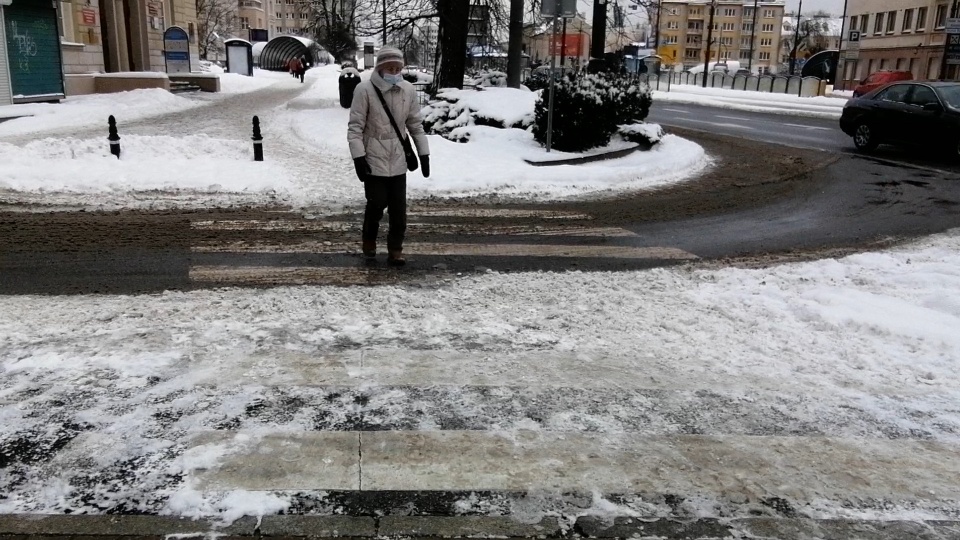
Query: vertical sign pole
point(553, 75)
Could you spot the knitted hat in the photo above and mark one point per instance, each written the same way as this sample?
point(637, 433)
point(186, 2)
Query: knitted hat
point(388, 55)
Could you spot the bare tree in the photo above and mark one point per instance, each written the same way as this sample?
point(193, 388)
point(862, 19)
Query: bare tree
point(216, 20)
point(331, 24)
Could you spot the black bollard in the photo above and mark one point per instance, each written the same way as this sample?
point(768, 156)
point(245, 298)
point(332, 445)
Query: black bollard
point(257, 140)
point(113, 137)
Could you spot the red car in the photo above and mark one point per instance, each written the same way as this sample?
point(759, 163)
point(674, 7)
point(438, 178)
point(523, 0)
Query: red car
point(880, 78)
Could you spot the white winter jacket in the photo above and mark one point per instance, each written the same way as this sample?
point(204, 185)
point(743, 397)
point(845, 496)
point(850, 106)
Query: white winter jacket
point(369, 131)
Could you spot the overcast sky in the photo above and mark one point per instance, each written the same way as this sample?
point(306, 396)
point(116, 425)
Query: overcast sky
point(809, 6)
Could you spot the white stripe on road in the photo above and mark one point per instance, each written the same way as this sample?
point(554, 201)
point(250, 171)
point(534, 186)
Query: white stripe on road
point(738, 118)
point(821, 128)
point(681, 111)
point(719, 124)
point(466, 250)
point(800, 469)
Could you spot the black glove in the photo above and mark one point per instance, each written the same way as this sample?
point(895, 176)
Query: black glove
point(425, 165)
point(363, 169)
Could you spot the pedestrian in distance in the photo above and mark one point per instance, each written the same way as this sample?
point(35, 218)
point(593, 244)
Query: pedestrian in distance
point(383, 110)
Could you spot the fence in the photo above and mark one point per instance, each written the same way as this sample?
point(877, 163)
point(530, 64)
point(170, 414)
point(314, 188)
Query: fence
point(795, 85)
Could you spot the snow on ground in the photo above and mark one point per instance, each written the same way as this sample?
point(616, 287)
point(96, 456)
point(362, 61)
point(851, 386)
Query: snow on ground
point(874, 332)
point(92, 110)
point(767, 102)
point(211, 169)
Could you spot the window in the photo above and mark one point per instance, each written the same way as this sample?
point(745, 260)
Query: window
point(896, 93)
point(725, 55)
point(748, 13)
point(765, 70)
point(279, 15)
point(692, 53)
point(244, 23)
point(726, 41)
point(672, 11)
point(744, 54)
point(853, 21)
point(764, 56)
point(746, 27)
point(878, 24)
point(693, 40)
point(695, 25)
point(884, 64)
point(728, 27)
point(65, 21)
point(303, 16)
point(767, 28)
point(907, 25)
point(922, 95)
point(921, 19)
point(941, 17)
point(891, 21)
point(745, 42)
point(670, 40)
point(672, 25)
point(695, 11)
point(766, 42)
point(864, 21)
point(729, 12)
point(768, 14)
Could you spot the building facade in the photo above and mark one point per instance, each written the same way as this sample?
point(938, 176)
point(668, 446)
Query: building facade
point(122, 35)
point(906, 35)
point(741, 32)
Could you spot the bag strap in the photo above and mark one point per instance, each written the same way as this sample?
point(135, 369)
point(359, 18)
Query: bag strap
point(389, 115)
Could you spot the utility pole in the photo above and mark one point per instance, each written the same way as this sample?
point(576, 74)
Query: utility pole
point(946, 45)
point(384, 44)
point(515, 45)
point(706, 62)
point(563, 47)
point(796, 38)
point(753, 36)
point(841, 61)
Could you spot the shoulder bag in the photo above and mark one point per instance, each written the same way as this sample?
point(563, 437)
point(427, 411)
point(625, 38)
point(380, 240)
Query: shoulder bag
point(412, 162)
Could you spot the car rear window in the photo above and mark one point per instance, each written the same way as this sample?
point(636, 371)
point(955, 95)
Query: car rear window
point(950, 94)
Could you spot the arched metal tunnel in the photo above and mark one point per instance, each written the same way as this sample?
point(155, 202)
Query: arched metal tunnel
point(277, 52)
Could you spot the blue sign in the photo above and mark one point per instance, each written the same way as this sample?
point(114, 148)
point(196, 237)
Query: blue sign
point(176, 50)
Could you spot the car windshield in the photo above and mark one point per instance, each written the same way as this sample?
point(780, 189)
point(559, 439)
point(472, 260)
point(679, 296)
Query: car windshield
point(951, 95)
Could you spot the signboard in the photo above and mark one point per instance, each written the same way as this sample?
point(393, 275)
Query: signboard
point(852, 46)
point(89, 16)
point(565, 8)
point(953, 49)
point(368, 61)
point(953, 25)
point(176, 50)
point(572, 46)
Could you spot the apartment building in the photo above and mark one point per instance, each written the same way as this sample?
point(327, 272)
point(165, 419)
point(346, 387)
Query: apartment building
point(900, 35)
point(287, 17)
point(739, 33)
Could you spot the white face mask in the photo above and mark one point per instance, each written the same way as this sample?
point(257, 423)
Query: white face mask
point(393, 79)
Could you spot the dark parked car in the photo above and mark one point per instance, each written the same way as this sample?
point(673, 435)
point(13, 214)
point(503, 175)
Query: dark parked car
point(923, 114)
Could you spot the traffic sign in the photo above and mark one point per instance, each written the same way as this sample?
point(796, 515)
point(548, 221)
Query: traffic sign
point(854, 36)
point(565, 8)
point(953, 25)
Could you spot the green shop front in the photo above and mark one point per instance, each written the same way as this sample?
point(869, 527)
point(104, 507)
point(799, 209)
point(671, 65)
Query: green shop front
point(31, 66)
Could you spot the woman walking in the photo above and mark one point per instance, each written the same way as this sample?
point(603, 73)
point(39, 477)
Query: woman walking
point(384, 108)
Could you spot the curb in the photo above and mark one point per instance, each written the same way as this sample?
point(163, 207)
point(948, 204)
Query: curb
point(37, 527)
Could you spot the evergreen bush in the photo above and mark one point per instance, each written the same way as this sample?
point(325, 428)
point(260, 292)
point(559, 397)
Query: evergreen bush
point(588, 109)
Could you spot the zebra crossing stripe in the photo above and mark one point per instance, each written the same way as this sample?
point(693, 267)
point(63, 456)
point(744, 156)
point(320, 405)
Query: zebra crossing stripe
point(287, 225)
point(801, 469)
point(463, 250)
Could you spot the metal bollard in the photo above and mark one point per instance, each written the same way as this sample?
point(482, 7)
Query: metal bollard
point(257, 140)
point(113, 137)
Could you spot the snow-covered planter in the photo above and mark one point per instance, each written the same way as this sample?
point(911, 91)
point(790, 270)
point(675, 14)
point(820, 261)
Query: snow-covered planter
point(455, 111)
point(588, 109)
point(486, 77)
point(641, 133)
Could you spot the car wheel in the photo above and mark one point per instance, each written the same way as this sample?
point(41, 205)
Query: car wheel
point(863, 137)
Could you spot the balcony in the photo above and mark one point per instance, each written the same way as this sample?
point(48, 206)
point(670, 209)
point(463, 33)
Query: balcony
point(255, 4)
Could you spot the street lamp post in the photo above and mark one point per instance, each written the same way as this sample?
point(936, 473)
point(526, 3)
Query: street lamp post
point(753, 38)
point(796, 39)
point(841, 61)
point(706, 62)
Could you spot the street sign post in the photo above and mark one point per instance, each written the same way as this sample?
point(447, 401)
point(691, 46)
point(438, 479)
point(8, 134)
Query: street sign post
point(564, 8)
point(852, 50)
point(176, 50)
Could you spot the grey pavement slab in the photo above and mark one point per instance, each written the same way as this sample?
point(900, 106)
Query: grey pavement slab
point(472, 526)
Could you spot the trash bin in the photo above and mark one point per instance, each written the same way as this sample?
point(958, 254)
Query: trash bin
point(349, 79)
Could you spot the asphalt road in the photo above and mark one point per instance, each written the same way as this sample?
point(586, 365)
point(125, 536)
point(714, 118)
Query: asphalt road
point(795, 131)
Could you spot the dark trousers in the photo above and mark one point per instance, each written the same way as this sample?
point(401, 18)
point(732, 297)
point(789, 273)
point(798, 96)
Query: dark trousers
point(390, 193)
point(300, 73)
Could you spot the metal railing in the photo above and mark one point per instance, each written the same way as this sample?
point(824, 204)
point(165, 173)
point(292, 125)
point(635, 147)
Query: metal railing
point(776, 84)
